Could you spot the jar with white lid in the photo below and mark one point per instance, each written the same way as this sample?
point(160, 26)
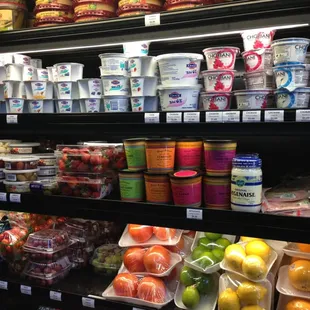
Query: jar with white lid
point(246, 183)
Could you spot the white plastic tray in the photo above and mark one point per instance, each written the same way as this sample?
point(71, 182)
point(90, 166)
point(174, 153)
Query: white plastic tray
point(292, 250)
point(283, 300)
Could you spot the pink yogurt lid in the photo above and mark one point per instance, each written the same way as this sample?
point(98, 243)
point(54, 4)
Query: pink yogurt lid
point(185, 173)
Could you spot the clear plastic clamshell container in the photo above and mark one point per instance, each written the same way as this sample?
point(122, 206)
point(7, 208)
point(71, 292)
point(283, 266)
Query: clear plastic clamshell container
point(297, 250)
point(82, 229)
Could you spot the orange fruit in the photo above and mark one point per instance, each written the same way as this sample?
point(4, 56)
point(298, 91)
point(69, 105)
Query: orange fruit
point(152, 289)
point(298, 304)
point(133, 259)
point(304, 247)
point(140, 233)
point(163, 233)
point(126, 284)
point(157, 259)
point(299, 275)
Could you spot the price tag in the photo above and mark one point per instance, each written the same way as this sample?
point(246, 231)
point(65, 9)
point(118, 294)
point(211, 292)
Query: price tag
point(24, 289)
point(302, 115)
point(274, 116)
point(251, 116)
point(152, 20)
point(3, 285)
point(11, 119)
point(231, 116)
point(151, 118)
point(191, 117)
point(15, 198)
point(194, 214)
point(88, 302)
point(3, 197)
point(174, 117)
point(214, 117)
point(55, 295)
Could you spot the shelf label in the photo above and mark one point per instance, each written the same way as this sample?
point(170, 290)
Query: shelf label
point(231, 116)
point(11, 119)
point(214, 117)
point(191, 117)
point(152, 20)
point(3, 285)
point(3, 197)
point(55, 295)
point(15, 198)
point(302, 115)
point(88, 302)
point(151, 118)
point(251, 116)
point(194, 214)
point(274, 116)
point(174, 117)
point(24, 289)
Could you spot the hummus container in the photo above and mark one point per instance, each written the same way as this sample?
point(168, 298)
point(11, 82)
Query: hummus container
point(52, 21)
point(252, 99)
point(290, 50)
point(179, 98)
point(257, 60)
point(13, 89)
point(46, 160)
point(216, 101)
point(290, 76)
point(17, 187)
point(66, 90)
point(40, 106)
point(88, 16)
point(116, 103)
point(39, 90)
point(24, 148)
point(21, 162)
point(15, 105)
point(258, 38)
point(21, 175)
point(176, 5)
point(52, 74)
point(143, 85)
point(64, 2)
point(42, 75)
point(115, 85)
point(43, 11)
point(64, 105)
point(220, 58)
point(140, 104)
point(299, 98)
point(179, 69)
point(90, 105)
point(21, 59)
point(90, 88)
point(69, 71)
point(142, 66)
point(13, 16)
point(188, 153)
point(47, 171)
point(258, 80)
point(131, 185)
point(133, 49)
point(157, 188)
point(113, 64)
point(36, 63)
point(122, 3)
point(93, 5)
point(218, 80)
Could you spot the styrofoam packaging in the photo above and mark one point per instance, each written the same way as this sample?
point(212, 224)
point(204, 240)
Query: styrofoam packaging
point(40, 106)
point(66, 90)
point(179, 69)
point(216, 101)
point(142, 66)
point(299, 98)
point(293, 250)
point(259, 59)
point(143, 85)
point(42, 74)
point(90, 105)
point(252, 99)
point(90, 88)
point(178, 98)
point(2, 74)
point(221, 58)
point(258, 38)
point(142, 103)
point(69, 71)
point(218, 80)
point(14, 72)
point(52, 74)
point(290, 50)
point(138, 48)
point(6, 59)
point(115, 85)
point(113, 64)
point(116, 103)
point(258, 80)
point(13, 89)
point(39, 90)
point(15, 105)
point(37, 63)
point(284, 300)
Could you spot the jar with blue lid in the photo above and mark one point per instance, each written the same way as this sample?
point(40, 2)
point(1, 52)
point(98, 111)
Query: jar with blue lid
point(246, 183)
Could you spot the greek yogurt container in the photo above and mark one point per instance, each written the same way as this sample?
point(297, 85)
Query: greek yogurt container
point(66, 90)
point(39, 90)
point(47, 171)
point(143, 85)
point(113, 64)
point(14, 72)
point(90, 88)
point(258, 38)
point(219, 58)
point(42, 74)
point(15, 105)
point(299, 98)
point(90, 105)
point(116, 103)
point(139, 104)
point(29, 73)
point(142, 66)
point(252, 99)
point(64, 105)
point(179, 69)
point(69, 71)
point(24, 147)
point(218, 80)
point(21, 59)
point(257, 60)
point(13, 89)
point(258, 80)
point(215, 100)
point(116, 85)
point(52, 74)
point(139, 48)
point(6, 59)
point(2, 74)
point(40, 106)
point(36, 63)
point(17, 187)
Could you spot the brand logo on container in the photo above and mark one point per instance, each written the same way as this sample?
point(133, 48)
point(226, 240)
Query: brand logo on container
point(30, 69)
point(38, 84)
point(226, 77)
point(258, 36)
point(25, 59)
point(280, 73)
point(191, 65)
point(135, 81)
point(301, 47)
point(115, 82)
point(63, 67)
point(136, 100)
point(144, 45)
point(260, 97)
point(250, 57)
point(217, 99)
point(64, 102)
point(16, 101)
point(282, 96)
point(63, 85)
point(175, 95)
point(92, 100)
point(44, 73)
point(96, 82)
point(240, 182)
point(220, 55)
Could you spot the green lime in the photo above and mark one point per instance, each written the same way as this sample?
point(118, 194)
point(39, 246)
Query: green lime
point(198, 251)
point(206, 259)
point(219, 254)
point(205, 242)
point(222, 243)
point(204, 284)
point(187, 276)
point(213, 236)
point(190, 297)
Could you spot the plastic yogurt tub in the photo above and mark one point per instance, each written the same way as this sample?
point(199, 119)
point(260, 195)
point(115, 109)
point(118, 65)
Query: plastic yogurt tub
point(299, 98)
point(52, 74)
point(90, 105)
point(142, 66)
point(290, 50)
point(40, 106)
point(252, 99)
point(259, 38)
point(256, 60)
point(218, 80)
point(143, 85)
point(215, 100)
point(21, 162)
point(21, 59)
point(15, 105)
point(42, 74)
point(69, 71)
point(113, 64)
point(258, 80)
point(90, 88)
point(39, 90)
point(47, 171)
point(18, 72)
point(221, 57)
point(66, 90)
point(179, 69)
point(64, 105)
point(13, 89)
point(139, 104)
point(116, 103)
point(36, 63)
point(178, 98)
point(115, 85)
point(17, 187)
point(24, 148)
point(133, 49)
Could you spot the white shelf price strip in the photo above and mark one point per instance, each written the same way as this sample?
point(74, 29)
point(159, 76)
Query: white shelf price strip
point(302, 115)
point(151, 118)
point(88, 302)
point(175, 117)
point(214, 117)
point(274, 116)
point(251, 116)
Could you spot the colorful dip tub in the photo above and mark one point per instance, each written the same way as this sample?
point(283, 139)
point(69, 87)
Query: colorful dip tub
point(160, 155)
point(157, 187)
point(258, 38)
point(186, 188)
point(216, 192)
point(216, 101)
point(135, 153)
point(218, 156)
point(188, 153)
point(256, 60)
point(131, 185)
point(219, 58)
point(218, 80)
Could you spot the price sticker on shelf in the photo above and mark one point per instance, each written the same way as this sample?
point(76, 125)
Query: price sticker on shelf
point(274, 116)
point(194, 214)
point(191, 117)
point(24, 289)
point(15, 198)
point(302, 115)
point(3, 197)
point(88, 302)
point(251, 116)
point(151, 118)
point(174, 117)
point(55, 295)
point(11, 119)
point(214, 117)
point(3, 285)
point(231, 116)
point(152, 20)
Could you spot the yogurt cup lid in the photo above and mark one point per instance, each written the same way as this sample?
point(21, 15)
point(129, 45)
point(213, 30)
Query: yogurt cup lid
point(209, 49)
point(25, 144)
point(110, 55)
point(17, 65)
point(298, 90)
point(279, 66)
point(115, 97)
point(20, 171)
point(209, 93)
point(217, 70)
point(180, 55)
point(68, 63)
point(144, 77)
point(258, 72)
point(179, 87)
point(16, 183)
point(120, 77)
point(259, 51)
point(252, 91)
point(20, 158)
point(98, 13)
point(51, 7)
point(292, 40)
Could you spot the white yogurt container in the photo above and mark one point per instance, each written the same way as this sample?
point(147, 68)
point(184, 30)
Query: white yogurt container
point(69, 72)
point(290, 76)
point(6, 59)
point(90, 105)
point(299, 98)
point(42, 74)
point(64, 106)
point(116, 85)
point(306, 76)
point(37, 63)
point(1, 95)
point(216, 101)
point(14, 72)
point(258, 80)
point(179, 69)
point(143, 103)
point(39, 90)
point(290, 50)
point(66, 90)
point(179, 98)
point(21, 59)
point(113, 64)
point(219, 58)
point(90, 88)
point(257, 60)
point(252, 99)
point(258, 38)
point(218, 80)
point(14, 105)
point(13, 89)
point(52, 74)
point(116, 103)
point(139, 48)
point(40, 106)
point(2, 74)
point(143, 85)
point(142, 66)
point(29, 73)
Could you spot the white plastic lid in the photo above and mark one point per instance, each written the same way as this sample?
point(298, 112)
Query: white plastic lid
point(111, 55)
point(205, 72)
point(16, 183)
point(114, 77)
point(221, 48)
point(69, 63)
point(252, 91)
point(180, 55)
point(30, 144)
point(20, 171)
point(181, 87)
point(20, 158)
point(290, 40)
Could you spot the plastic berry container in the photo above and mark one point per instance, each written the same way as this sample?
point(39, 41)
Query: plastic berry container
point(24, 148)
point(21, 175)
point(46, 187)
point(46, 160)
point(17, 187)
point(83, 229)
point(21, 162)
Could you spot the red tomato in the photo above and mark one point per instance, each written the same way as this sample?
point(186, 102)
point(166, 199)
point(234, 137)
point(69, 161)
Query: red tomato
point(152, 289)
point(157, 259)
point(163, 233)
point(140, 233)
point(133, 259)
point(126, 284)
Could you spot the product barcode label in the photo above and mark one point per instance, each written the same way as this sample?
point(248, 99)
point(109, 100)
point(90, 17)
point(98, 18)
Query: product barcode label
point(231, 116)
point(11, 119)
point(88, 302)
point(175, 117)
point(15, 198)
point(24, 289)
point(194, 214)
point(3, 285)
point(152, 20)
point(251, 116)
point(151, 118)
point(11, 177)
point(302, 115)
point(3, 197)
point(274, 116)
point(191, 117)
point(214, 117)
point(55, 295)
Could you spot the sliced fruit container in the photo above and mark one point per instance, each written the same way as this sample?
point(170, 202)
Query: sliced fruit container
point(20, 162)
point(21, 175)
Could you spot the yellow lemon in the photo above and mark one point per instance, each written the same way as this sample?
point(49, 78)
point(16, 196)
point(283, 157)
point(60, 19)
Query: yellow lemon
point(251, 293)
point(259, 248)
point(254, 268)
point(228, 300)
point(248, 239)
point(234, 256)
point(252, 308)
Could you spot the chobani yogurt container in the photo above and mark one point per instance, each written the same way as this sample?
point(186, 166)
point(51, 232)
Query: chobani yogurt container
point(258, 80)
point(218, 80)
point(179, 98)
point(115, 85)
point(39, 90)
point(69, 72)
point(66, 90)
point(299, 98)
point(143, 85)
point(116, 103)
point(139, 48)
point(113, 64)
point(90, 88)
point(221, 57)
point(290, 50)
point(216, 101)
point(252, 99)
point(14, 105)
point(258, 38)
point(179, 68)
point(142, 66)
point(256, 60)
point(90, 105)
